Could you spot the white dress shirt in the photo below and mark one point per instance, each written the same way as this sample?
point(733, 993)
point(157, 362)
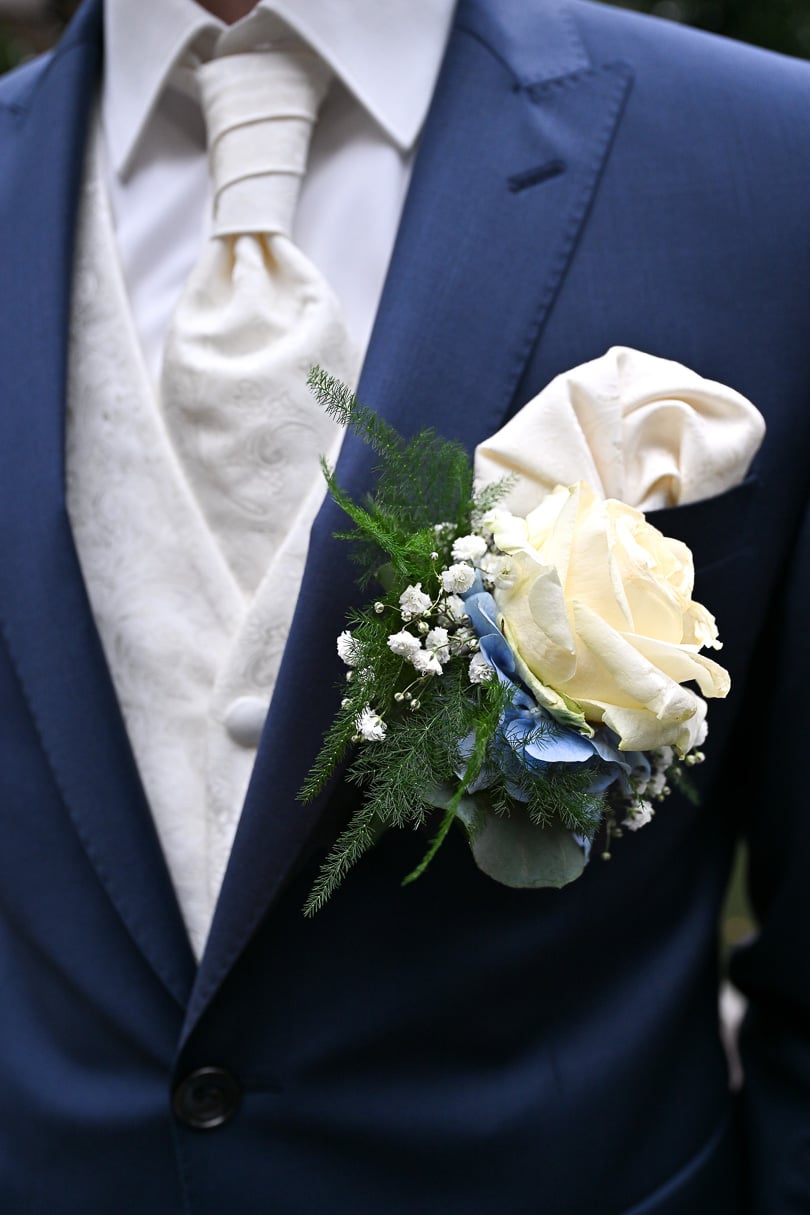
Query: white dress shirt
point(385, 55)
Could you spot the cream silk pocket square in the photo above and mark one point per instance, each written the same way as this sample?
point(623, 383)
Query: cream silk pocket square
point(645, 430)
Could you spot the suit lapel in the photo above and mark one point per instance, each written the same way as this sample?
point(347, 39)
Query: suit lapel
point(508, 163)
point(44, 611)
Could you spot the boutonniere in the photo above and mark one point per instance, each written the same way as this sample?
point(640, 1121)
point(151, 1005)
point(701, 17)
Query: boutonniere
point(524, 666)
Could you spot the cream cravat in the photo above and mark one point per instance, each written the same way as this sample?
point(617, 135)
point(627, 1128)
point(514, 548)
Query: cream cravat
point(255, 315)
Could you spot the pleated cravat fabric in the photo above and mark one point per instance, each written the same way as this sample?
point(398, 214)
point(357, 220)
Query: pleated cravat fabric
point(255, 315)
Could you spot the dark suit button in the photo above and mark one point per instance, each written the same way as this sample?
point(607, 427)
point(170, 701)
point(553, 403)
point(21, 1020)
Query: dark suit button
point(206, 1098)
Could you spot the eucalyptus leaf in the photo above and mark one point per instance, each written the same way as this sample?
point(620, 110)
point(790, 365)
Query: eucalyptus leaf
point(510, 849)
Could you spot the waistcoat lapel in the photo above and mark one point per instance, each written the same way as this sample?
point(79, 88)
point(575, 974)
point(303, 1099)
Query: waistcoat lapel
point(509, 160)
point(44, 611)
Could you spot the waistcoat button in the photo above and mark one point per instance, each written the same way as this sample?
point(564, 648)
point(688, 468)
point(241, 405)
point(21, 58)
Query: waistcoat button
point(244, 720)
point(206, 1098)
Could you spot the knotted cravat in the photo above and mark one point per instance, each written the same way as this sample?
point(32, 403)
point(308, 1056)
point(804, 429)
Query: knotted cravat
point(254, 316)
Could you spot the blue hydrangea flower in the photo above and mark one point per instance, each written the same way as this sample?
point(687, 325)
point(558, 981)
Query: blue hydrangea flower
point(530, 738)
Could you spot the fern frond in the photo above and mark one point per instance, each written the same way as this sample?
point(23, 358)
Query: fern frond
point(357, 838)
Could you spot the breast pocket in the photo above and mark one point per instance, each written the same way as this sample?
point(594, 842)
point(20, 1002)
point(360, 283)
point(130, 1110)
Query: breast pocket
point(721, 533)
point(716, 529)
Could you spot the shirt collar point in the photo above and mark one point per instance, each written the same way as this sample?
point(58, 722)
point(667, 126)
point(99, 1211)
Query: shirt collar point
point(403, 131)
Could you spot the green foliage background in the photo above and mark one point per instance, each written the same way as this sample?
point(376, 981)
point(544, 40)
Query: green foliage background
point(780, 25)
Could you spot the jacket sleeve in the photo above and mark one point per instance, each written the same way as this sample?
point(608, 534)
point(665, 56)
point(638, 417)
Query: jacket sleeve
point(772, 765)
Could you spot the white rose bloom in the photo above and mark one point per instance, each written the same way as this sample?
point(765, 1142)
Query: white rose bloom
point(457, 579)
point(370, 725)
point(413, 602)
point(426, 664)
point(600, 616)
point(348, 648)
point(404, 644)
point(468, 548)
point(480, 670)
point(437, 642)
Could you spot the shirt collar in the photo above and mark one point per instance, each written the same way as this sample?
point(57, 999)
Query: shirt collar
point(387, 54)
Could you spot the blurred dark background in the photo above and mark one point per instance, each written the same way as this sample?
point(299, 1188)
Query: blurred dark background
point(780, 25)
point(29, 26)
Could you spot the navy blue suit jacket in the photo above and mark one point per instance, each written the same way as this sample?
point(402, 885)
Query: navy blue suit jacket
point(586, 178)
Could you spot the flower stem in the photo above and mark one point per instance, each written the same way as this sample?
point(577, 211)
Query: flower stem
point(435, 844)
point(471, 772)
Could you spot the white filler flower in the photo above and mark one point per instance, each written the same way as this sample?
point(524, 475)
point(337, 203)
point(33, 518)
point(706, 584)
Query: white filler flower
point(404, 644)
point(426, 664)
point(463, 641)
point(497, 567)
point(437, 642)
point(480, 670)
point(348, 648)
point(469, 548)
point(662, 760)
point(413, 602)
point(452, 607)
point(457, 579)
point(370, 725)
point(639, 815)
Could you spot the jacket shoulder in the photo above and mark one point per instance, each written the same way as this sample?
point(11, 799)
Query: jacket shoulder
point(683, 57)
point(17, 86)
point(704, 90)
